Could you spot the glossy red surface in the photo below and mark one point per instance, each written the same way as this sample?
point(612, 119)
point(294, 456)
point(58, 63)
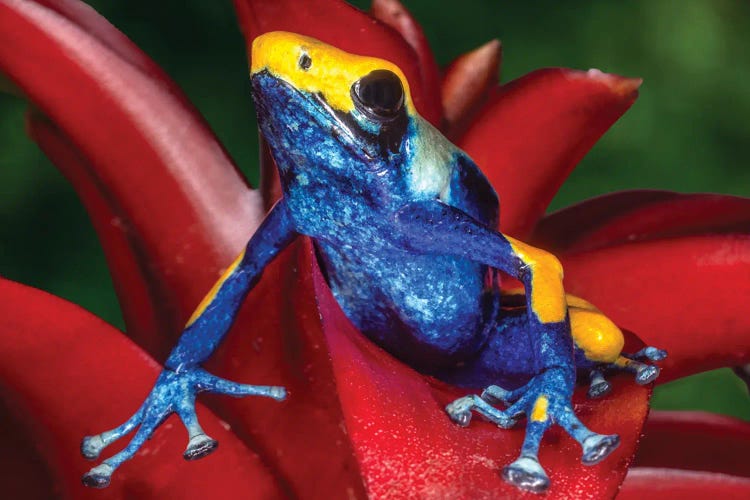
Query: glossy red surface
point(172, 212)
point(716, 443)
point(643, 483)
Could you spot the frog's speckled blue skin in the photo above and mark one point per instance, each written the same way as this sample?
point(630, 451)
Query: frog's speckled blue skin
point(414, 269)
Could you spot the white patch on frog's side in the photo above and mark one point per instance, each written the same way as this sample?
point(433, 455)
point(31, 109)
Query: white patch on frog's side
point(431, 161)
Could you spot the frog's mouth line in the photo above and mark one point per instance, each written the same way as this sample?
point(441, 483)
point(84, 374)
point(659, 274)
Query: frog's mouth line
point(317, 108)
point(344, 127)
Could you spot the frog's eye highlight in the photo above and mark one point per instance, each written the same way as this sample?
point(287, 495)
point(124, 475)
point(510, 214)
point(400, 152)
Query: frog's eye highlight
point(379, 95)
point(304, 61)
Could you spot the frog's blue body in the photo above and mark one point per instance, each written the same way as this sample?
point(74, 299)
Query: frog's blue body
point(404, 224)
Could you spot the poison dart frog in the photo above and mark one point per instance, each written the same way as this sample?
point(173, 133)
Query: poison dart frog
point(404, 224)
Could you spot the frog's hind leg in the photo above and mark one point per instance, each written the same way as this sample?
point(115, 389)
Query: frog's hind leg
point(599, 344)
point(544, 399)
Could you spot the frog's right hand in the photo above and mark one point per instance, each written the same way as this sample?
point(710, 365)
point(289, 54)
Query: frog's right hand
point(174, 392)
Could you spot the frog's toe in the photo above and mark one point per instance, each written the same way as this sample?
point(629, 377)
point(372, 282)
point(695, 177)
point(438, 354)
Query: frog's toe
point(597, 447)
point(646, 374)
point(599, 389)
point(459, 410)
point(650, 353)
point(98, 477)
point(495, 394)
point(200, 446)
point(599, 386)
point(92, 446)
point(526, 473)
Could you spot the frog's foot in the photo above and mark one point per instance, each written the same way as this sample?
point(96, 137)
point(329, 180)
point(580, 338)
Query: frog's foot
point(544, 400)
point(645, 373)
point(174, 392)
point(460, 411)
point(527, 474)
point(599, 386)
point(648, 354)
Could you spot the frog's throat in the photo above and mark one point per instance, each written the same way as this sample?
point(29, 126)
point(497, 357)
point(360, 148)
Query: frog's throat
point(327, 71)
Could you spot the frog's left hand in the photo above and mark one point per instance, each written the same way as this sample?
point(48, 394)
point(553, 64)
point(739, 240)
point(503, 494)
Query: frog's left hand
point(432, 226)
point(183, 377)
point(174, 392)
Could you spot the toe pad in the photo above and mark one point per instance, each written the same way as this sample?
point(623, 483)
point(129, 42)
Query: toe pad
point(91, 446)
point(199, 447)
point(596, 448)
point(527, 474)
point(599, 390)
point(647, 375)
point(98, 477)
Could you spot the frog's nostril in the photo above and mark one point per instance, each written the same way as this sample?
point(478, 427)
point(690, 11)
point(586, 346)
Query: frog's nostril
point(379, 94)
point(304, 62)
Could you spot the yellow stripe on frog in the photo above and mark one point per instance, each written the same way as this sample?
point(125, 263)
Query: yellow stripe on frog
point(331, 71)
point(539, 412)
point(593, 332)
point(211, 295)
point(547, 293)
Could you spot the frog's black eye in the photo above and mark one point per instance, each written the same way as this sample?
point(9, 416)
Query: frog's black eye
point(379, 95)
point(304, 62)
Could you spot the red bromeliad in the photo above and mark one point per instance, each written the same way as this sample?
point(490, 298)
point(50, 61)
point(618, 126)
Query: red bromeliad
point(172, 212)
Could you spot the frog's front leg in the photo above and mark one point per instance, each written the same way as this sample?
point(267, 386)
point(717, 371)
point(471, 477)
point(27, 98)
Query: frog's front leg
point(434, 227)
point(183, 378)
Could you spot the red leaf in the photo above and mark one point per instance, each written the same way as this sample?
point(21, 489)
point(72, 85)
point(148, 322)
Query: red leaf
point(564, 228)
point(60, 367)
point(467, 85)
point(536, 129)
point(696, 441)
point(373, 415)
point(639, 216)
point(687, 295)
point(673, 484)
point(339, 24)
point(176, 198)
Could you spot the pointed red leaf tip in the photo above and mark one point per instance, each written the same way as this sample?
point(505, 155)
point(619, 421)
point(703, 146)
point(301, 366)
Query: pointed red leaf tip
point(674, 484)
point(395, 15)
point(126, 135)
point(467, 84)
point(695, 441)
point(533, 132)
point(60, 367)
point(630, 216)
point(685, 294)
point(339, 24)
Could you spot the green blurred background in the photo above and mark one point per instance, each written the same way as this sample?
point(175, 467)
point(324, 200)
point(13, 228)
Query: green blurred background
point(689, 130)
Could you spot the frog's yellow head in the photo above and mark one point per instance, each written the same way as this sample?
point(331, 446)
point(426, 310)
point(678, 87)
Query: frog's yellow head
point(345, 81)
